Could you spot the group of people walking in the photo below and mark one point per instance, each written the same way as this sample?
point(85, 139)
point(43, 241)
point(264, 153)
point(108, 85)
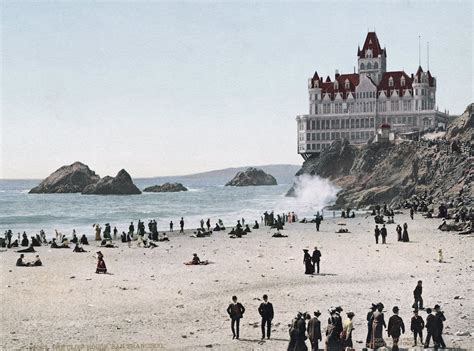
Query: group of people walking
point(402, 234)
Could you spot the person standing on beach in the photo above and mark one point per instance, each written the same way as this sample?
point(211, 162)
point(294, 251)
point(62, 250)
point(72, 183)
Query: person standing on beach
point(171, 226)
point(308, 263)
point(377, 234)
point(314, 331)
point(412, 212)
point(101, 267)
point(399, 232)
point(334, 329)
point(383, 232)
point(236, 311)
point(208, 224)
point(131, 229)
point(405, 237)
point(181, 224)
point(347, 328)
point(318, 220)
point(416, 326)
point(266, 312)
point(369, 325)
point(396, 327)
point(316, 258)
point(440, 318)
point(431, 331)
point(418, 304)
point(378, 323)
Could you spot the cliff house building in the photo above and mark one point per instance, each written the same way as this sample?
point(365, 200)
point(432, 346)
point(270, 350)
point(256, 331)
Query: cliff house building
point(353, 106)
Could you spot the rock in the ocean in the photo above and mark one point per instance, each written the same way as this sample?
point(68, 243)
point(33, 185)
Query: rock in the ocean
point(166, 188)
point(121, 184)
point(67, 179)
point(251, 177)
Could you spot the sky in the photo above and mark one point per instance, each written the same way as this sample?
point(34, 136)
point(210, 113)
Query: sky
point(176, 88)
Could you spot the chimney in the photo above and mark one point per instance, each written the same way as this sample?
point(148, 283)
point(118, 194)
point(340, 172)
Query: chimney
point(337, 74)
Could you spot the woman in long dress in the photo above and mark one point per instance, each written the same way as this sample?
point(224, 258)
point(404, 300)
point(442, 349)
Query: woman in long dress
point(378, 323)
point(101, 267)
point(309, 266)
point(405, 237)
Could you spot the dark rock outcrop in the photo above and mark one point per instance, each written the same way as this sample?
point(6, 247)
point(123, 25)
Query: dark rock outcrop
point(67, 179)
point(373, 173)
point(166, 188)
point(121, 184)
point(252, 177)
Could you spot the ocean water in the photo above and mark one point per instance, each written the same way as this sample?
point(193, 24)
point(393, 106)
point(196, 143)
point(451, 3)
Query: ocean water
point(21, 211)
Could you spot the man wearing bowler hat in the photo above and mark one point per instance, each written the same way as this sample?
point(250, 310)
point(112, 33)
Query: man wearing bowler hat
point(314, 331)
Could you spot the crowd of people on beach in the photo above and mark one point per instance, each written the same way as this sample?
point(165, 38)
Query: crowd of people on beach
point(338, 333)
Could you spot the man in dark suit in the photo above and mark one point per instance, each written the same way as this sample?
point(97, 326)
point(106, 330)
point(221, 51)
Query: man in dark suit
point(235, 311)
point(314, 331)
point(266, 311)
point(316, 258)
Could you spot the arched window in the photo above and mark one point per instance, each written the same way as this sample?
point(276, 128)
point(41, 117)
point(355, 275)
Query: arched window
point(336, 84)
point(402, 81)
point(376, 65)
point(362, 66)
point(390, 82)
point(369, 66)
point(368, 53)
point(346, 84)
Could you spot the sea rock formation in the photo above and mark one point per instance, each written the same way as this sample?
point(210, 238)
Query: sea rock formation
point(166, 188)
point(374, 174)
point(252, 177)
point(121, 184)
point(67, 179)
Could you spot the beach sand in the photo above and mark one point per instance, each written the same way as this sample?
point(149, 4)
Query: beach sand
point(151, 298)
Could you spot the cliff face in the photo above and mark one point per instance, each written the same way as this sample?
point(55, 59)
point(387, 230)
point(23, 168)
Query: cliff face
point(375, 173)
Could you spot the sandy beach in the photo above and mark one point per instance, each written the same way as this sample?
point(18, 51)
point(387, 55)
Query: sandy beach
point(151, 300)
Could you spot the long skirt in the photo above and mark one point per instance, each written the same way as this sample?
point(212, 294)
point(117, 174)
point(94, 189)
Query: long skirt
point(101, 268)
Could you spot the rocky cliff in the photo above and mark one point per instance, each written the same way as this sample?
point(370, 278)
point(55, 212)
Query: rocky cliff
point(121, 184)
point(67, 179)
point(375, 173)
point(166, 188)
point(252, 177)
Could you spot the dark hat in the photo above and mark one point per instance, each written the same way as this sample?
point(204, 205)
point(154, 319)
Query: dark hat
point(265, 296)
point(380, 305)
point(317, 313)
point(395, 309)
point(436, 307)
point(305, 250)
point(350, 314)
point(415, 310)
point(339, 309)
point(374, 306)
point(429, 310)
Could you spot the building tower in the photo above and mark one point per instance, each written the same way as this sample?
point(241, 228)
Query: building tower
point(372, 59)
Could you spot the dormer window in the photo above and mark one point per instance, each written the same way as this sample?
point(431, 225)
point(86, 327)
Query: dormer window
point(368, 53)
point(390, 82)
point(402, 81)
point(316, 84)
point(346, 84)
point(336, 84)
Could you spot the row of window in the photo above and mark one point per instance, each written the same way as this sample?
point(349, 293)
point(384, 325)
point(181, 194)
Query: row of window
point(371, 94)
point(339, 135)
point(369, 106)
point(321, 124)
point(364, 135)
point(369, 65)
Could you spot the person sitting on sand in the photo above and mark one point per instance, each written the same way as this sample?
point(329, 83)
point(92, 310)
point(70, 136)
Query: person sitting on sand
point(20, 262)
point(14, 243)
point(105, 243)
point(221, 224)
point(74, 239)
point(101, 267)
point(54, 245)
point(164, 238)
point(123, 237)
point(217, 228)
point(195, 259)
point(255, 226)
point(37, 262)
point(247, 229)
point(24, 241)
point(84, 240)
point(36, 241)
point(78, 248)
point(279, 235)
point(29, 249)
point(65, 243)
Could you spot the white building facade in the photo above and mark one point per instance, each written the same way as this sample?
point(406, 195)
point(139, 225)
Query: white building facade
point(353, 106)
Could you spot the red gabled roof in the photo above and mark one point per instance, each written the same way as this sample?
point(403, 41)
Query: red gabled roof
point(371, 42)
point(419, 71)
point(397, 85)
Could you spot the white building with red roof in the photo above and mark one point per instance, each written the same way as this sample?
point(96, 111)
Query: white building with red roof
point(353, 106)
